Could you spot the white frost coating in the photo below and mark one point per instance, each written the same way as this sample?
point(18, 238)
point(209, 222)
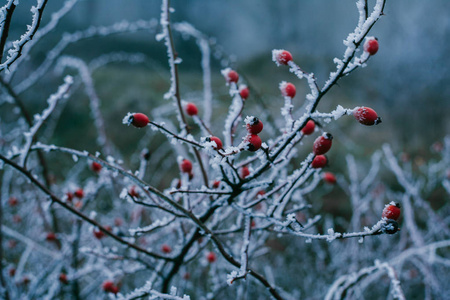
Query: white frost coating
point(94, 100)
point(203, 44)
point(114, 57)
point(54, 20)
point(128, 118)
point(233, 116)
point(123, 193)
point(16, 52)
point(275, 54)
point(40, 119)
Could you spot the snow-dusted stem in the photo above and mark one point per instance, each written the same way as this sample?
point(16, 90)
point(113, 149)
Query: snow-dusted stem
point(7, 12)
point(40, 119)
point(94, 100)
point(39, 34)
point(75, 211)
point(174, 91)
point(15, 53)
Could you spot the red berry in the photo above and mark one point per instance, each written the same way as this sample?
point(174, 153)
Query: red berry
point(63, 278)
point(366, 116)
point(12, 201)
point(244, 172)
point(26, 279)
point(98, 233)
point(391, 211)
point(215, 139)
point(371, 45)
point(108, 286)
point(96, 167)
point(118, 221)
point(329, 177)
point(216, 184)
point(281, 57)
point(319, 161)
point(12, 272)
point(211, 257)
point(230, 75)
point(309, 127)
point(133, 192)
point(244, 91)
point(186, 276)
point(287, 89)
point(79, 193)
point(322, 144)
point(51, 236)
point(138, 120)
point(114, 289)
point(254, 142)
point(254, 125)
point(69, 196)
point(186, 166)
point(166, 248)
point(191, 109)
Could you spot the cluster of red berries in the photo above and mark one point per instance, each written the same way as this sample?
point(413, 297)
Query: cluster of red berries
point(391, 213)
point(254, 126)
point(109, 287)
point(231, 76)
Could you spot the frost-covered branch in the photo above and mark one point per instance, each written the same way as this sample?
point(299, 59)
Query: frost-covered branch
point(40, 119)
point(16, 52)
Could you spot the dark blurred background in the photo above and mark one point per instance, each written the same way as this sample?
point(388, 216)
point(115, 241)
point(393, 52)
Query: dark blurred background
point(405, 82)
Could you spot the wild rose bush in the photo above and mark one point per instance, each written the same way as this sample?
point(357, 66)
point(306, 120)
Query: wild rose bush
point(241, 217)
